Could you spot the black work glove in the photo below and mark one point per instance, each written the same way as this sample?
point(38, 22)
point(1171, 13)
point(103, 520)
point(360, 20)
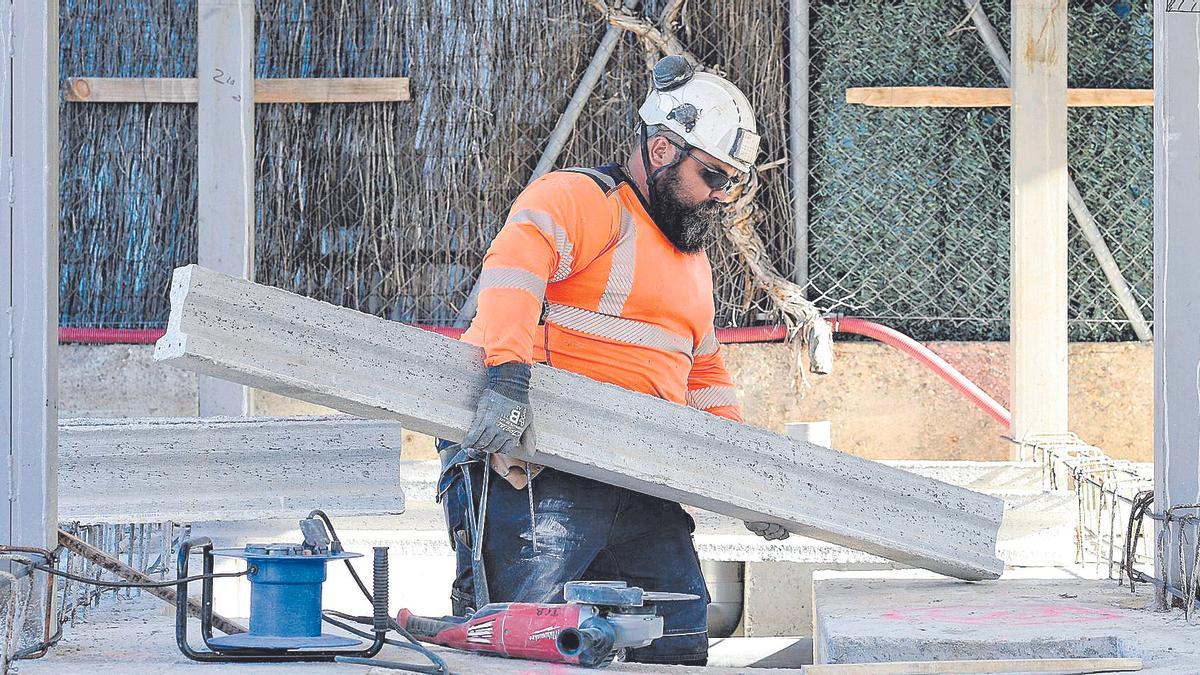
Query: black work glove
point(502, 415)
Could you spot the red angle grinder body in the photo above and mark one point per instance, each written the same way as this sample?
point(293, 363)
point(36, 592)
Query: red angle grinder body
point(599, 619)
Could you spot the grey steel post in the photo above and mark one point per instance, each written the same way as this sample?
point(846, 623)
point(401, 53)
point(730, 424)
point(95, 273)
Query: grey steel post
point(1083, 216)
point(558, 137)
point(29, 278)
point(1176, 274)
point(798, 136)
point(225, 163)
point(583, 91)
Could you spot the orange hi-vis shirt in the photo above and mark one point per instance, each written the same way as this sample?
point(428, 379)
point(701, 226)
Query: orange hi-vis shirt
point(622, 304)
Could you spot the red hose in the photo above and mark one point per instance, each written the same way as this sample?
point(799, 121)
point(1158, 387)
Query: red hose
point(862, 327)
point(110, 336)
point(729, 336)
point(148, 336)
point(923, 354)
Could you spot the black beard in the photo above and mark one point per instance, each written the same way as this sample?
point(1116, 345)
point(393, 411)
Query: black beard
point(689, 228)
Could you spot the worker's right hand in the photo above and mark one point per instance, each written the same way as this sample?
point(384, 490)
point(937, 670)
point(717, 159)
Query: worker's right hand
point(502, 414)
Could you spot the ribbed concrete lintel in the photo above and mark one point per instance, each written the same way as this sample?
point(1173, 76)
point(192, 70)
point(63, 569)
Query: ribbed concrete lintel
point(190, 469)
point(362, 365)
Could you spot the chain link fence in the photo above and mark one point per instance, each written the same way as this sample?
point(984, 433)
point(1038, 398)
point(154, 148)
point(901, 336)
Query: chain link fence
point(389, 207)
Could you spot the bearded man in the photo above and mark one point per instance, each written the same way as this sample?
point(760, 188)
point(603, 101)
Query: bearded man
point(602, 271)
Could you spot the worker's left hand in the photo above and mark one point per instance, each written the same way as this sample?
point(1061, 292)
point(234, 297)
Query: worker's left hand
point(768, 531)
point(502, 414)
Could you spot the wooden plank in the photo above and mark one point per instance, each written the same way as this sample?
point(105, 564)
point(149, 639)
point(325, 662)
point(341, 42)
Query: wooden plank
point(331, 90)
point(127, 573)
point(274, 90)
point(1058, 666)
point(989, 97)
point(1038, 198)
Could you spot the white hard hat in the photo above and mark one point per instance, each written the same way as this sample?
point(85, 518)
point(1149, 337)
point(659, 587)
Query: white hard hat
point(705, 110)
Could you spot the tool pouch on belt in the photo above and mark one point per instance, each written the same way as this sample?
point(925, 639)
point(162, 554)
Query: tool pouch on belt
point(517, 472)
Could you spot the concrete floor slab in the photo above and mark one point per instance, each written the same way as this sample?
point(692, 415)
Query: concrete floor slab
point(303, 348)
point(900, 616)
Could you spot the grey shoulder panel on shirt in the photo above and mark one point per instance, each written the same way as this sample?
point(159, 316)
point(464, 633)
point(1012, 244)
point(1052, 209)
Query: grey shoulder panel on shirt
point(603, 180)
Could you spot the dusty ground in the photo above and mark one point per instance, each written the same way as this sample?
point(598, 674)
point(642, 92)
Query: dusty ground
point(883, 404)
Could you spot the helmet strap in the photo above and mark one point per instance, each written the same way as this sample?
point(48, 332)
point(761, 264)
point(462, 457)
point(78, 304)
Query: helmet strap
point(653, 176)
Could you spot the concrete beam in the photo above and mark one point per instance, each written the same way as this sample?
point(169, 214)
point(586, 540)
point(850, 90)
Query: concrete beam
point(29, 271)
point(225, 162)
point(370, 367)
point(188, 469)
point(1176, 276)
point(1039, 218)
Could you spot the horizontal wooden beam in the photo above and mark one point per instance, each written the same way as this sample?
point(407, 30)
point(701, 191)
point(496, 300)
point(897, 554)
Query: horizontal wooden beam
point(275, 90)
point(1071, 666)
point(985, 97)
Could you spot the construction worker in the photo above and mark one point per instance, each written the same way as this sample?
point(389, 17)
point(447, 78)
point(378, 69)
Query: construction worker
point(612, 260)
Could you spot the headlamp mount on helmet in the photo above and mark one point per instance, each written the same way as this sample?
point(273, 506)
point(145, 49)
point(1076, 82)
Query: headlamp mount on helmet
point(672, 72)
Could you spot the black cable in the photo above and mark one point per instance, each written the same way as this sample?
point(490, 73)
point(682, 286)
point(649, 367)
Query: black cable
point(392, 623)
point(440, 667)
point(337, 544)
point(140, 584)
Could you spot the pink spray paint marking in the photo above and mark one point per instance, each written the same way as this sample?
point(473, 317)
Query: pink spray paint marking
point(1012, 615)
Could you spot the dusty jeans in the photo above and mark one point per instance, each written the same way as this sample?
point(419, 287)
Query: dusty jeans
point(585, 530)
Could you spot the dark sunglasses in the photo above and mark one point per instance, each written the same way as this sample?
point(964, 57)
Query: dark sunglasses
point(713, 177)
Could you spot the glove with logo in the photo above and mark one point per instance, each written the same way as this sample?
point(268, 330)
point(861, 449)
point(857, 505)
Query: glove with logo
point(768, 531)
point(502, 415)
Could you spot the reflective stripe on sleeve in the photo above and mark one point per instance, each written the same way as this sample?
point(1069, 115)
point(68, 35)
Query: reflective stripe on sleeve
point(708, 345)
point(513, 278)
point(712, 397)
point(544, 222)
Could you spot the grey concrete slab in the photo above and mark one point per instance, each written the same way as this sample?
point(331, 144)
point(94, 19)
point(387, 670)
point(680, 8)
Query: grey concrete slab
point(778, 598)
point(135, 636)
point(333, 356)
point(185, 469)
point(912, 616)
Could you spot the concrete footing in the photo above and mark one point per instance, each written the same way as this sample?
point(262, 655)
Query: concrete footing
point(900, 616)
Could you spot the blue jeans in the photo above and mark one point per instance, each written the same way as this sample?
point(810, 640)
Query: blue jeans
point(585, 530)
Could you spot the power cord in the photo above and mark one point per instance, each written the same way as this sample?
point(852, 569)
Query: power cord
point(139, 584)
point(413, 644)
